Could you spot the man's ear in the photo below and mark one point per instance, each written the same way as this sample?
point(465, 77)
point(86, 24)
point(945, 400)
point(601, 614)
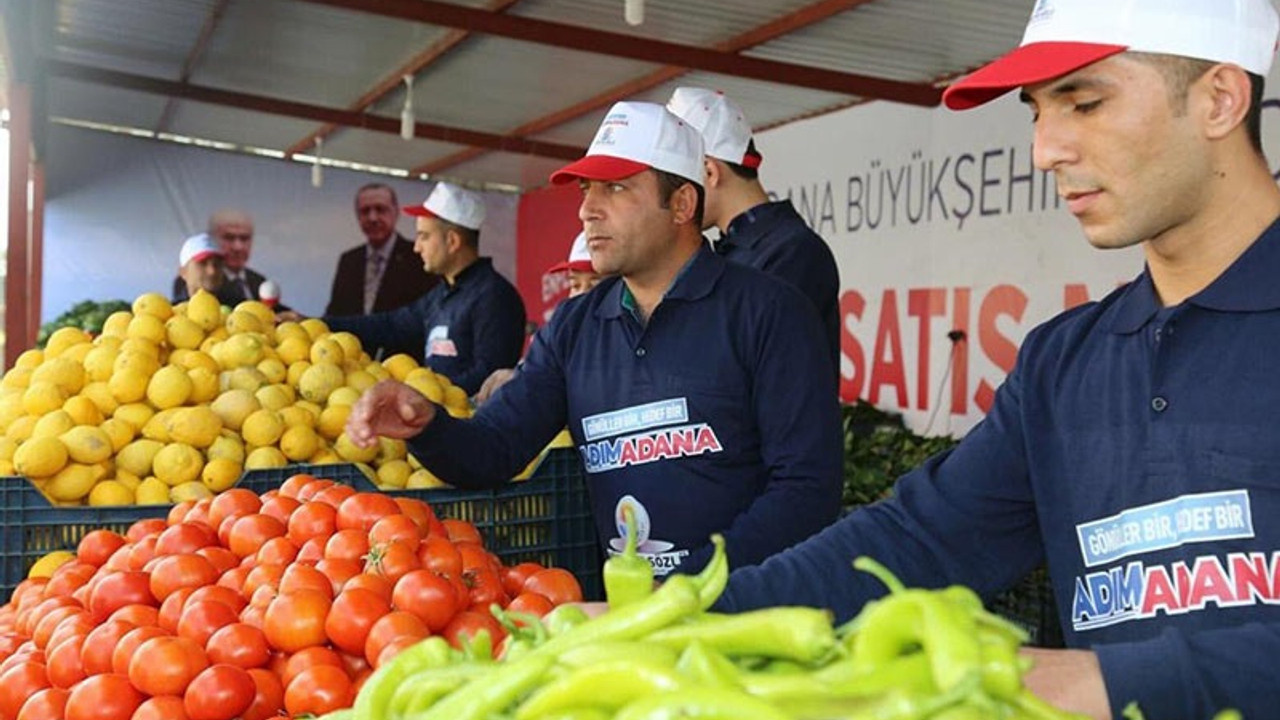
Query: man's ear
point(453, 240)
point(714, 172)
point(684, 203)
point(1227, 92)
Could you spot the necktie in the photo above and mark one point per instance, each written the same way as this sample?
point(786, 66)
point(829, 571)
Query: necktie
point(372, 271)
point(243, 284)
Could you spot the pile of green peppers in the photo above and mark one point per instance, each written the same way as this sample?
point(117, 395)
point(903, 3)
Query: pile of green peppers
point(660, 655)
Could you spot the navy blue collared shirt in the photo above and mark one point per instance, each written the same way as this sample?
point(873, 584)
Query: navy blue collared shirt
point(717, 415)
point(464, 330)
point(774, 238)
point(1137, 449)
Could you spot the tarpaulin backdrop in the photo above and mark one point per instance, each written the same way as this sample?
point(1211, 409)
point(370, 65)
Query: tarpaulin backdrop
point(118, 208)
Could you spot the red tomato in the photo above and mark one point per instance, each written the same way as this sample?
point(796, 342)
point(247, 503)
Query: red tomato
point(334, 494)
point(394, 648)
point(199, 512)
point(239, 644)
point(279, 507)
point(305, 577)
point(349, 544)
point(42, 632)
point(308, 491)
point(217, 593)
point(428, 596)
point(98, 647)
point(65, 665)
point(172, 572)
point(268, 698)
point(221, 558)
point(362, 511)
point(338, 571)
point(234, 579)
point(308, 658)
point(98, 545)
point(67, 579)
point(368, 581)
point(221, 692)
point(514, 577)
point(392, 560)
point(47, 704)
point(166, 665)
point(485, 588)
point(77, 623)
point(290, 487)
point(395, 624)
point(440, 555)
point(294, 621)
point(19, 682)
point(267, 574)
point(311, 552)
point(171, 610)
point(400, 528)
point(318, 690)
point(128, 646)
point(165, 707)
point(423, 515)
point(103, 697)
point(202, 619)
point(352, 614)
point(185, 538)
point(236, 501)
point(178, 512)
point(143, 528)
point(462, 531)
point(468, 624)
point(250, 532)
point(140, 615)
point(277, 550)
point(142, 551)
point(556, 584)
point(531, 603)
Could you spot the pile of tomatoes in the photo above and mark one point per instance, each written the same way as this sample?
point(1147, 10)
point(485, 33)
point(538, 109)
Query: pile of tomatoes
point(252, 607)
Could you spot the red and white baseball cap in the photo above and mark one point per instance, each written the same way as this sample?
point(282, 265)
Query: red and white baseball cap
point(726, 134)
point(1063, 36)
point(197, 248)
point(636, 136)
point(579, 257)
point(453, 204)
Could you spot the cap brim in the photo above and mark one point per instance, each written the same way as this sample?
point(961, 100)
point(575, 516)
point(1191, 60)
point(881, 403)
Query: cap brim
point(418, 211)
point(597, 167)
point(1026, 65)
point(205, 255)
point(575, 266)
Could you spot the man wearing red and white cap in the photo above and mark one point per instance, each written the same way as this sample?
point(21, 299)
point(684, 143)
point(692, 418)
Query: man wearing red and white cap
point(768, 236)
point(698, 391)
point(200, 268)
point(465, 327)
point(1134, 445)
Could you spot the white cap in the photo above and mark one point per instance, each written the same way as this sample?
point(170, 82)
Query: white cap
point(269, 291)
point(725, 131)
point(1063, 36)
point(636, 136)
point(453, 204)
point(198, 247)
point(579, 257)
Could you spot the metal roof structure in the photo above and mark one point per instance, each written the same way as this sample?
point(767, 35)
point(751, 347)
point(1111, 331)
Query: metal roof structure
point(503, 91)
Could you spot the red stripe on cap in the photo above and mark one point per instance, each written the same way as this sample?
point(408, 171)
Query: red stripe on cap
point(1026, 65)
point(418, 211)
point(597, 167)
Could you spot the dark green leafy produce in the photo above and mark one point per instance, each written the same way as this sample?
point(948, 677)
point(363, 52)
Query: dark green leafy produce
point(88, 315)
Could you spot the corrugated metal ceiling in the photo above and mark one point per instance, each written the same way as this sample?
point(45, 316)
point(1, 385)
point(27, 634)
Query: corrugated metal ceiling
point(270, 73)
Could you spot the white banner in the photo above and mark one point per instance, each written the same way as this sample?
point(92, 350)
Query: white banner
point(941, 225)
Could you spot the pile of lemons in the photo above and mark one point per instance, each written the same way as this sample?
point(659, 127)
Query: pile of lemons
point(171, 403)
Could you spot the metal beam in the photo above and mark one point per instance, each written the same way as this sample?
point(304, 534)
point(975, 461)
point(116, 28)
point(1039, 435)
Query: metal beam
point(193, 58)
point(797, 20)
point(637, 48)
point(384, 86)
point(276, 106)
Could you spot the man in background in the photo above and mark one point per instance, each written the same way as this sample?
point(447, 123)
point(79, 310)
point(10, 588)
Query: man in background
point(199, 268)
point(768, 236)
point(384, 273)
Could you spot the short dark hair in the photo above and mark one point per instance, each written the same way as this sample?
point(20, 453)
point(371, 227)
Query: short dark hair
point(1180, 72)
point(742, 171)
point(470, 237)
point(379, 186)
point(669, 183)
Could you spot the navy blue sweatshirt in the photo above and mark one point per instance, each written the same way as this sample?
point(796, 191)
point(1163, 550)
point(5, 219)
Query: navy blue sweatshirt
point(719, 415)
point(1137, 449)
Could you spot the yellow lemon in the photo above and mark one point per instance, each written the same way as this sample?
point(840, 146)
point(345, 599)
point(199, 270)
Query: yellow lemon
point(326, 350)
point(240, 321)
point(240, 350)
point(428, 385)
point(422, 479)
point(400, 365)
point(99, 393)
point(137, 360)
point(315, 327)
point(64, 338)
point(273, 397)
point(319, 381)
point(344, 396)
point(137, 456)
point(349, 451)
point(128, 385)
point(72, 482)
point(53, 424)
point(333, 420)
point(233, 406)
point(17, 379)
point(274, 370)
point(10, 409)
point(294, 416)
point(192, 359)
point(21, 428)
point(177, 463)
point(63, 372)
point(110, 492)
point(227, 447)
point(147, 327)
point(189, 491)
point(299, 443)
point(7, 448)
point(262, 427)
point(153, 304)
point(349, 343)
point(360, 380)
point(258, 309)
point(296, 371)
point(136, 414)
point(43, 397)
point(157, 428)
point(83, 411)
point(204, 385)
point(204, 310)
point(99, 362)
point(40, 457)
point(394, 475)
point(77, 353)
point(265, 457)
point(117, 324)
point(151, 492)
point(128, 479)
point(169, 387)
point(196, 426)
point(183, 332)
point(29, 359)
point(87, 444)
point(120, 432)
point(377, 372)
point(292, 349)
point(220, 474)
point(45, 566)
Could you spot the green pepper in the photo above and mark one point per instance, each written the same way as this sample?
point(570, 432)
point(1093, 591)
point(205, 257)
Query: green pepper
point(703, 703)
point(792, 633)
point(895, 705)
point(677, 598)
point(906, 673)
point(645, 652)
point(885, 629)
point(609, 685)
point(374, 697)
point(627, 577)
point(715, 576)
point(420, 691)
point(949, 636)
point(1036, 709)
point(492, 692)
point(707, 667)
point(1001, 668)
point(562, 618)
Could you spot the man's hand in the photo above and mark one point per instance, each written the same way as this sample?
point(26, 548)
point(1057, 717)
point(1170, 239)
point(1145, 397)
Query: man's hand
point(391, 409)
point(289, 316)
point(496, 379)
point(1068, 679)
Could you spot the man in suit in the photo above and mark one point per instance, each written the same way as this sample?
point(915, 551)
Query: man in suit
point(384, 273)
point(233, 230)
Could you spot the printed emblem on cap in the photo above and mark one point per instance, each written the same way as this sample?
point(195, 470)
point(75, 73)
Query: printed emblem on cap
point(606, 136)
point(1042, 11)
